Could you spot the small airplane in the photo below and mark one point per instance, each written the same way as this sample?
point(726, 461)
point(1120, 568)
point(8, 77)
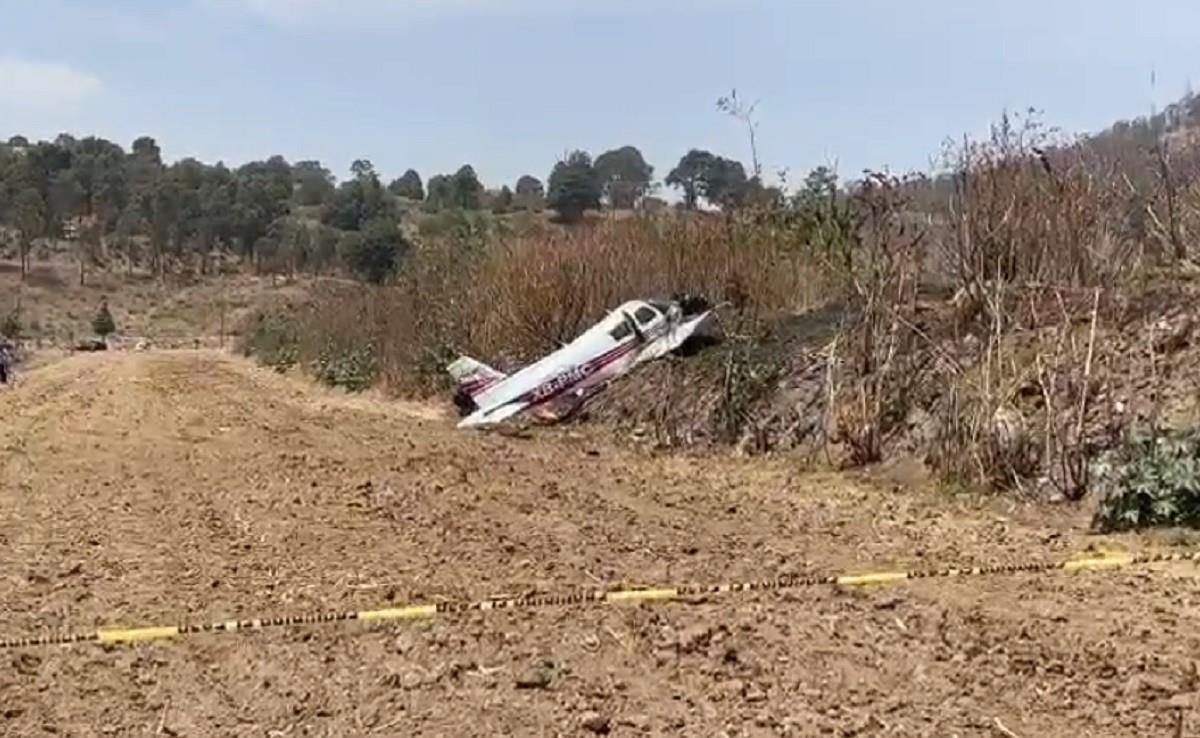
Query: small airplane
point(556, 385)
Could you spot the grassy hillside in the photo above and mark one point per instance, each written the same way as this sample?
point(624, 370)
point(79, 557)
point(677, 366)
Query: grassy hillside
point(52, 308)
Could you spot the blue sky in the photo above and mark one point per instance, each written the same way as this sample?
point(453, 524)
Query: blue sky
point(510, 85)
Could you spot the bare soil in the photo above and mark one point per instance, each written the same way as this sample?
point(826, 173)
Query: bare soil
point(149, 488)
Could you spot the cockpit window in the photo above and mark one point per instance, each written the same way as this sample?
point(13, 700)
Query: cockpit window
point(645, 315)
point(622, 331)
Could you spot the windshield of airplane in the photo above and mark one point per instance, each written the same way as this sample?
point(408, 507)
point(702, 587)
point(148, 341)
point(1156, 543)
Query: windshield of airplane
point(645, 315)
point(622, 331)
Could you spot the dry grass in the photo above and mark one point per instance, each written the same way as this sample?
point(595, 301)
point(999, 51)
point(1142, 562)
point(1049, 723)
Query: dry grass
point(1026, 207)
point(54, 309)
point(1034, 232)
point(512, 300)
point(876, 364)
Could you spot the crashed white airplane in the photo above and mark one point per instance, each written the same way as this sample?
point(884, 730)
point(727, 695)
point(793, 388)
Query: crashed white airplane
point(554, 386)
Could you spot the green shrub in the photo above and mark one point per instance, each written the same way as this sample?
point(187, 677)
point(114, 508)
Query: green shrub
point(103, 323)
point(274, 339)
point(1149, 481)
point(10, 325)
point(355, 369)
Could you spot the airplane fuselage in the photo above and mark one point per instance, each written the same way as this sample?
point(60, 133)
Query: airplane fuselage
point(633, 333)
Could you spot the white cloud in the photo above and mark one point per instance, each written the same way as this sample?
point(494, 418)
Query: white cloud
point(30, 84)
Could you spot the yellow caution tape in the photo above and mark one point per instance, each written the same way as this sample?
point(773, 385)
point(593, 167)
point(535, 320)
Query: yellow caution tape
point(639, 595)
point(1104, 562)
point(131, 635)
point(859, 580)
point(399, 613)
point(595, 597)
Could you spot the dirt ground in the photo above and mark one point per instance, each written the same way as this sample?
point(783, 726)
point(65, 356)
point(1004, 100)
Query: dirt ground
point(150, 488)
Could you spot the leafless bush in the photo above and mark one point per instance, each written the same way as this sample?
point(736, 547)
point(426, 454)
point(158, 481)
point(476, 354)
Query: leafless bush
point(876, 362)
point(1065, 376)
point(1025, 208)
point(1016, 406)
point(981, 437)
point(1168, 194)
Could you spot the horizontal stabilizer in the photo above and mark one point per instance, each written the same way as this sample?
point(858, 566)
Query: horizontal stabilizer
point(472, 376)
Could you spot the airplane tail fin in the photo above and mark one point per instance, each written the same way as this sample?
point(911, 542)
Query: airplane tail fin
point(473, 377)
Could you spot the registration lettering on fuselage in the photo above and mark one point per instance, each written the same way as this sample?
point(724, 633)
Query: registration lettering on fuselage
point(561, 382)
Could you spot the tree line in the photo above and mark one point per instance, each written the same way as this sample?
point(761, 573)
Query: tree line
point(111, 202)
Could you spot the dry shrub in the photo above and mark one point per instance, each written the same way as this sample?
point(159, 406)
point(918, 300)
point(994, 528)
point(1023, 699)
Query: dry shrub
point(1065, 377)
point(1024, 208)
point(1032, 229)
point(981, 438)
point(508, 299)
point(1017, 401)
point(1167, 206)
point(543, 291)
point(877, 362)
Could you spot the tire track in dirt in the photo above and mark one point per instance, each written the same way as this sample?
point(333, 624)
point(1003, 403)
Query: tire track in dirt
point(161, 487)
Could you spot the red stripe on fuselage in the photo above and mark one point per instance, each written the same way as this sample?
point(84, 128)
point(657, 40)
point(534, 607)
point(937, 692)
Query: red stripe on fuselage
point(588, 369)
point(476, 386)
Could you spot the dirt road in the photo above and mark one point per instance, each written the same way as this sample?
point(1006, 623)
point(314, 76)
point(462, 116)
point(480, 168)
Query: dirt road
point(158, 488)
